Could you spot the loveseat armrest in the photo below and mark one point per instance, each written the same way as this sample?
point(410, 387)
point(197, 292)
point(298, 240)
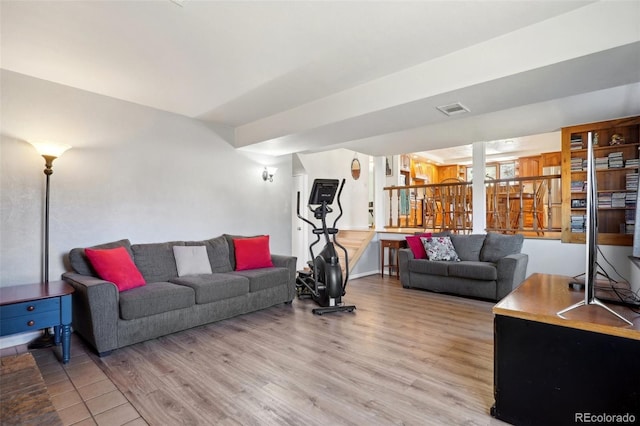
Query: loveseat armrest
point(404, 256)
point(95, 310)
point(288, 262)
point(511, 270)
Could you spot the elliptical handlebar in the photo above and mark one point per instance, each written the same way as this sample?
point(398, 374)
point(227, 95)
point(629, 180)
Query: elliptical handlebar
point(346, 253)
point(302, 217)
point(338, 200)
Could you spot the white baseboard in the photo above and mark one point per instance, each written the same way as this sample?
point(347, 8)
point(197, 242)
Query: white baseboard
point(364, 274)
point(18, 339)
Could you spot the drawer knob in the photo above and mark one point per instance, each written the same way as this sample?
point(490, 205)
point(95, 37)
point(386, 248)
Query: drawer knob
point(31, 308)
point(30, 323)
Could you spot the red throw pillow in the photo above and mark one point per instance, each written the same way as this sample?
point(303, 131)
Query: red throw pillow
point(414, 243)
point(116, 265)
point(252, 253)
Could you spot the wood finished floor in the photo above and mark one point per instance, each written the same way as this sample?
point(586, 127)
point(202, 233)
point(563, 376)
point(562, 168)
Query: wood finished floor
point(405, 357)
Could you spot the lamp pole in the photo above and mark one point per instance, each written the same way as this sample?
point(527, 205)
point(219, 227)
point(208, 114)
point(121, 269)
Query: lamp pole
point(48, 171)
point(49, 152)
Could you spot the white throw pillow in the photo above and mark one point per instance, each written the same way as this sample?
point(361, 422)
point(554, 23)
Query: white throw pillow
point(191, 260)
point(439, 248)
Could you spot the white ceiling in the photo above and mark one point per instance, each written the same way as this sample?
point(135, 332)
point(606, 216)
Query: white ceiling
point(497, 150)
point(309, 76)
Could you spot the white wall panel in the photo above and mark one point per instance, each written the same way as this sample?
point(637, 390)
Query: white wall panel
point(133, 172)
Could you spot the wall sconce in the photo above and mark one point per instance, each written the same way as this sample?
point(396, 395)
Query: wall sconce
point(268, 173)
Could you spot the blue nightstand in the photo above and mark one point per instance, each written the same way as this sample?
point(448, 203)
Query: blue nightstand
point(37, 306)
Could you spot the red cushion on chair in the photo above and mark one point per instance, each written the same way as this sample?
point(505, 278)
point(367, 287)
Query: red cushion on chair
point(116, 265)
point(252, 253)
point(414, 243)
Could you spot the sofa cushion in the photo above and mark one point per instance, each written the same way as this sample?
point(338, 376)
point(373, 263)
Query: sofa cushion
point(484, 271)
point(116, 265)
point(496, 246)
point(232, 253)
point(191, 260)
point(252, 253)
point(80, 263)
point(468, 247)
point(431, 267)
point(155, 298)
point(156, 260)
point(264, 278)
point(415, 244)
point(439, 248)
point(218, 251)
point(218, 286)
point(442, 234)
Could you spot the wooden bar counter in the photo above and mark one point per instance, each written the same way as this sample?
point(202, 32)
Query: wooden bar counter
point(550, 370)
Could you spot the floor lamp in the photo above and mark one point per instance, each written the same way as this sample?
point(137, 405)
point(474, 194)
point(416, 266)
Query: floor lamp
point(50, 151)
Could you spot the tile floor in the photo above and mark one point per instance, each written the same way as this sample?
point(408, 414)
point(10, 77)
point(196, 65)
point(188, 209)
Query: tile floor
point(81, 393)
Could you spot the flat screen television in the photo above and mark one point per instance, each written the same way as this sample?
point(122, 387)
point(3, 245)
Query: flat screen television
point(636, 230)
point(591, 242)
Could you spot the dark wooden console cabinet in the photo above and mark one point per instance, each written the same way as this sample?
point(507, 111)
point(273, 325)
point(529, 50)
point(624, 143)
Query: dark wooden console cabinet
point(550, 370)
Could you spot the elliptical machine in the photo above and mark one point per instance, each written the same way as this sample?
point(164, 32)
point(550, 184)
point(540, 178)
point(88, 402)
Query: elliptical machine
point(323, 282)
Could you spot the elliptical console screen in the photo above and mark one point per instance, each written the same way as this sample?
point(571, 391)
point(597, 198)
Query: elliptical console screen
point(323, 190)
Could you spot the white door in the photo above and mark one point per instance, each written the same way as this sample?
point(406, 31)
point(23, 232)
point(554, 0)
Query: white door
point(300, 231)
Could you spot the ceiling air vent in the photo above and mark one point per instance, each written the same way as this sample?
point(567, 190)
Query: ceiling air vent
point(453, 109)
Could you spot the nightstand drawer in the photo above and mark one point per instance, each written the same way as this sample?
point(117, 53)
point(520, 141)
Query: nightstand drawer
point(28, 322)
point(8, 312)
point(30, 307)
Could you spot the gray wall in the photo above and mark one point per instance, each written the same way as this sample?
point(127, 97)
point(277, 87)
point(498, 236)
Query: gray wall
point(133, 172)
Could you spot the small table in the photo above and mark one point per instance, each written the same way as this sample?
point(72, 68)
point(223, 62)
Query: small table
point(38, 306)
point(393, 246)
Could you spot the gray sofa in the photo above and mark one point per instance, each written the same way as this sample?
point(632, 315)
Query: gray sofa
point(490, 267)
point(109, 319)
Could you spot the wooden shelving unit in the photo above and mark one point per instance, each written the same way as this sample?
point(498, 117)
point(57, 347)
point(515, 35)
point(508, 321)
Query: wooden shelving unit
point(615, 166)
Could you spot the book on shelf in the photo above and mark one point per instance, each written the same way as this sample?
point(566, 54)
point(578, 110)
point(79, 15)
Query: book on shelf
point(604, 199)
point(618, 199)
point(630, 217)
point(631, 199)
point(616, 160)
point(576, 141)
point(602, 163)
point(632, 181)
point(632, 163)
point(578, 185)
point(577, 222)
point(576, 164)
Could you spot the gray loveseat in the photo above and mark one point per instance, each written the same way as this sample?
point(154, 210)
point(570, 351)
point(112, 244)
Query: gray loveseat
point(490, 267)
point(109, 319)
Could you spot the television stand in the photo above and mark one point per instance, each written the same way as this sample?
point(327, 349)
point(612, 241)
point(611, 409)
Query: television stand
point(608, 291)
point(582, 365)
point(596, 302)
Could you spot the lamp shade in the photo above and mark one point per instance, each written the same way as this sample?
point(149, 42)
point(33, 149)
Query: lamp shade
point(52, 149)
